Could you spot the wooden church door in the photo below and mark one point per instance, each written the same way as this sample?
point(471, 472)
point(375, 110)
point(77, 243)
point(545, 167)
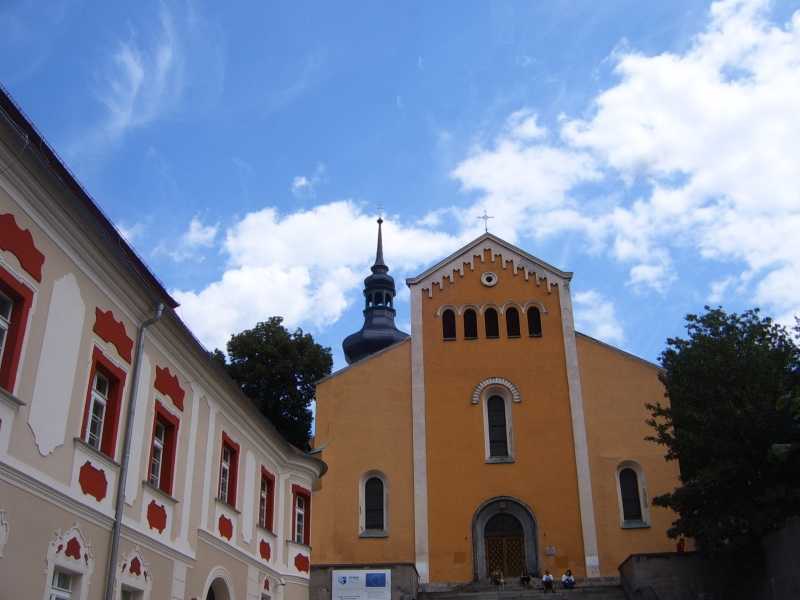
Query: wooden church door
point(505, 545)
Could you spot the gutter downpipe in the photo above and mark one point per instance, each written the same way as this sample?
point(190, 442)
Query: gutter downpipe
point(116, 530)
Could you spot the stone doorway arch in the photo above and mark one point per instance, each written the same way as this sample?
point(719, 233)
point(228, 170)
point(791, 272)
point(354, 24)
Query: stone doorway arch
point(218, 590)
point(506, 518)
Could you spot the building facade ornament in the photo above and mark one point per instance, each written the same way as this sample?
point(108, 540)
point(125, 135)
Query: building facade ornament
point(495, 381)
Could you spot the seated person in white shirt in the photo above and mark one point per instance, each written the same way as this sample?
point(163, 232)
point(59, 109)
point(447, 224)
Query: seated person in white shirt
point(547, 582)
point(567, 580)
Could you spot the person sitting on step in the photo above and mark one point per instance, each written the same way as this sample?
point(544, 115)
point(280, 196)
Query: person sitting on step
point(547, 582)
point(525, 580)
point(567, 580)
point(497, 578)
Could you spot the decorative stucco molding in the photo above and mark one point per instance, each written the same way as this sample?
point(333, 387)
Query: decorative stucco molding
point(19, 242)
point(133, 572)
point(478, 391)
point(167, 383)
point(112, 331)
point(72, 552)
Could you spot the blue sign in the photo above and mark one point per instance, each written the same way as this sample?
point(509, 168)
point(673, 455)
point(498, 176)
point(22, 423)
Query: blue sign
point(376, 580)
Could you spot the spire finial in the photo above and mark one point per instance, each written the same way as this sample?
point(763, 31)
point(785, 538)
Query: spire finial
point(379, 254)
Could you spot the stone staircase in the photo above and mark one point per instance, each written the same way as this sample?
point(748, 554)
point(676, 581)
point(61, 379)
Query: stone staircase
point(601, 589)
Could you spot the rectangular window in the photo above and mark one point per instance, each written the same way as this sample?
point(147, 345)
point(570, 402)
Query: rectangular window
point(266, 499)
point(300, 519)
point(15, 302)
point(162, 449)
point(61, 587)
point(228, 469)
point(301, 515)
point(103, 401)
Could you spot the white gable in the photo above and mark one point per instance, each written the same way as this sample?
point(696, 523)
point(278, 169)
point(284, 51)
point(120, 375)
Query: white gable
point(519, 260)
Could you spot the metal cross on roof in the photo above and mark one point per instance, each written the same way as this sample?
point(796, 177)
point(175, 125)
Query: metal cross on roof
point(485, 218)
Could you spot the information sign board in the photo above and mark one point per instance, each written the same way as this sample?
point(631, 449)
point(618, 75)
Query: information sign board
point(362, 584)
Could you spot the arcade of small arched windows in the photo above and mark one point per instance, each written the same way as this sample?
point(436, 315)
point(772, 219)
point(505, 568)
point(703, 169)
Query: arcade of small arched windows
point(511, 314)
point(378, 299)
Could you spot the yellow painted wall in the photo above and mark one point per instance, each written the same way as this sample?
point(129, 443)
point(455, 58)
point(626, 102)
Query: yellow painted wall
point(363, 421)
point(616, 387)
point(459, 479)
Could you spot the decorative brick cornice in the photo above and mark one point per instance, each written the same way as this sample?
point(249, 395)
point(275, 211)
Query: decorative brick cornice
point(513, 389)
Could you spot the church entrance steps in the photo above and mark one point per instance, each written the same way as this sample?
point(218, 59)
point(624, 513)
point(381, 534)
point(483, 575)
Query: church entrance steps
point(594, 590)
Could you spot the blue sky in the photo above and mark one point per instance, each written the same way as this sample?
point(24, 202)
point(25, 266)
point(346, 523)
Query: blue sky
point(651, 148)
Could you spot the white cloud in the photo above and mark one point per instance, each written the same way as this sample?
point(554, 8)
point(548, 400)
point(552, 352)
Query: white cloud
point(719, 288)
point(595, 316)
point(306, 266)
point(130, 232)
point(191, 242)
point(305, 186)
point(711, 135)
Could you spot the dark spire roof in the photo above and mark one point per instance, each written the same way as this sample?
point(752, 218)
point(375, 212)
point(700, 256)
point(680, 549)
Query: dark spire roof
point(379, 330)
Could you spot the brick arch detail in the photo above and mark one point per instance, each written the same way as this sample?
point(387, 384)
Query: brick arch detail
point(513, 389)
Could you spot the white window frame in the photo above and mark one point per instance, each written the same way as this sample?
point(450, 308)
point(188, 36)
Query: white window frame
point(299, 527)
point(5, 325)
point(60, 593)
point(643, 499)
point(98, 398)
point(81, 569)
point(508, 401)
point(362, 505)
point(224, 468)
point(263, 502)
point(158, 444)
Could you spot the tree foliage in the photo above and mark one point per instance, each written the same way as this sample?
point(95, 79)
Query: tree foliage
point(278, 369)
point(733, 387)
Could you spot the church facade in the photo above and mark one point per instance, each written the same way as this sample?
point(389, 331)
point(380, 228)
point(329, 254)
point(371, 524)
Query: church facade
point(495, 438)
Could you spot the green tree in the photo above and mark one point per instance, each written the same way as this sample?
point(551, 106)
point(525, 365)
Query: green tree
point(277, 369)
point(733, 386)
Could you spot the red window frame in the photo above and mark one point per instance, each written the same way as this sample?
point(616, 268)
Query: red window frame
point(22, 297)
point(299, 490)
point(171, 423)
point(116, 379)
point(270, 479)
point(233, 473)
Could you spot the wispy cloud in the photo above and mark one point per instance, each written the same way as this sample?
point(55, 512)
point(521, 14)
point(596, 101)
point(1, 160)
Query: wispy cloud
point(191, 243)
point(596, 316)
point(305, 186)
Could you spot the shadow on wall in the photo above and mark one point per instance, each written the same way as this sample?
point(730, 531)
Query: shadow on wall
point(672, 576)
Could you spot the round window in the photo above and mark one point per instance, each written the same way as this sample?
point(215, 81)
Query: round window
point(489, 279)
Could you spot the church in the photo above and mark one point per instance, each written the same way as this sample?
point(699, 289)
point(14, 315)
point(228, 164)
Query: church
point(493, 438)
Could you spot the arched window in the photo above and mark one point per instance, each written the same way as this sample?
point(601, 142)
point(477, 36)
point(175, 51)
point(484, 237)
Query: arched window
point(492, 324)
point(470, 324)
point(512, 322)
point(629, 490)
point(449, 324)
point(534, 322)
point(373, 504)
point(498, 432)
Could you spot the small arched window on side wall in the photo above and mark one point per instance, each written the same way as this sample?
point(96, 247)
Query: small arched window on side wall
point(449, 324)
point(373, 505)
point(632, 496)
point(492, 324)
point(534, 322)
point(470, 324)
point(512, 322)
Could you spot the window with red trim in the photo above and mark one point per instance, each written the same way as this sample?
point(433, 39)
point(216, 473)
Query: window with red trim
point(301, 515)
point(103, 403)
point(228, 471)
point(15, 303)
point(162, 449)
point(266, 499)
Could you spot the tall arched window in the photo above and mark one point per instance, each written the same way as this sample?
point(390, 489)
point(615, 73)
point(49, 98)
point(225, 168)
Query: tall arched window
point(492, 324)
point(629, 490)
point(512, 322)
point(470, 324)
point(498, 432)
point(449, 324)
point(373, 504)
point(534, 322)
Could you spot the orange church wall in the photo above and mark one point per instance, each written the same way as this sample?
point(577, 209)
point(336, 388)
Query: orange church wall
point(616, 387)
point(363, 422)
point(459, 479)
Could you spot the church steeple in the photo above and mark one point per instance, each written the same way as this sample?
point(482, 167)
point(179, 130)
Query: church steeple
point(379, 330)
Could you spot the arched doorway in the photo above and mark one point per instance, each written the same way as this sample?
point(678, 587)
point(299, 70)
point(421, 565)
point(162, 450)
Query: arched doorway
point(504, 539)
point(218, 590)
